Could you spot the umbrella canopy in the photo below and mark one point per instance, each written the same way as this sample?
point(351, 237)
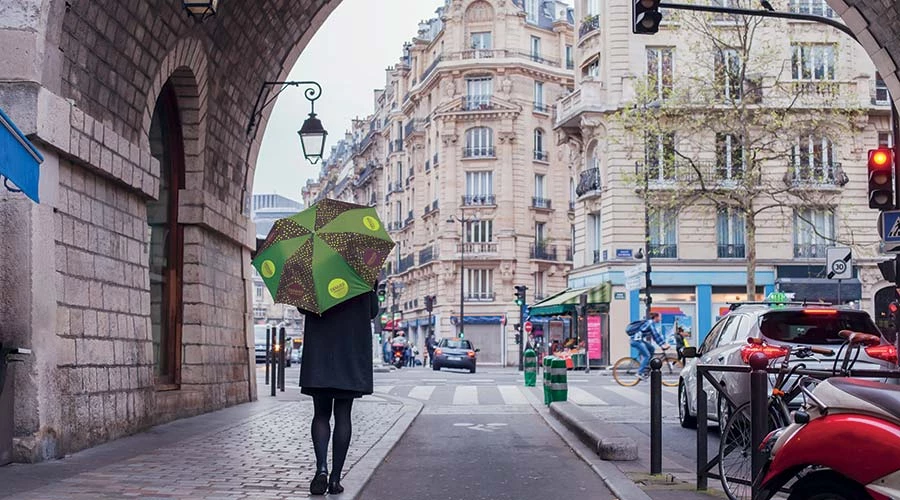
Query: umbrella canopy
point(324, 255)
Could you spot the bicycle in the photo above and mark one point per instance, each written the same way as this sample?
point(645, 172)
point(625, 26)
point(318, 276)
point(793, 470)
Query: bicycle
point(625, 370)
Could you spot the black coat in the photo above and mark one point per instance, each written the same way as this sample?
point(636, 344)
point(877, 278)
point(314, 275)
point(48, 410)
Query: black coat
point(337, 347)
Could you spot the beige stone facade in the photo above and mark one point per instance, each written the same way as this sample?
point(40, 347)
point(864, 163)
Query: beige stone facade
point(699, 254)
point(463, 129)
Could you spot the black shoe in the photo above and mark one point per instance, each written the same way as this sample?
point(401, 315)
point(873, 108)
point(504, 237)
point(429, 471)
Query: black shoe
point(334, 486)
point(319, 483)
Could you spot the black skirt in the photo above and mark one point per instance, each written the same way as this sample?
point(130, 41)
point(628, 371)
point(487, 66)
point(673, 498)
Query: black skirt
point(328, 392)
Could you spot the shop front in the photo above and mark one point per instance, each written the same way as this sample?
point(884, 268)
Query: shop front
point(486, 334)
point(559, 329)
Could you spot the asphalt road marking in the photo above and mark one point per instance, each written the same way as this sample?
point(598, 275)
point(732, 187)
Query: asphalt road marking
point(421, 392)
point(480, 380)
point(434, 380)
point(512, 395)
point(582, 397)
point(465, 395)
point(384, 389)
point(480, 427)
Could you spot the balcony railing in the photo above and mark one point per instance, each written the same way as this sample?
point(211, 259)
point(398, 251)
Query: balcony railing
point(658, 251)
point(816, 176)
point(398, 146)
point(550, 61)
point(477, 248)
point(543, 251)
point(397, 187)
point(589, 24)
point(541, 107)
point(430, 68)
point(477, 103)
point(588, 182)
point(596, 257)
point(537, 202)
point(480, 297)
point(731, 252)
point(541, 155)
point(479, 199)
point(412, 127)
point(406, 263)
point(810, 250)
point(479, 152)
point(426, 255)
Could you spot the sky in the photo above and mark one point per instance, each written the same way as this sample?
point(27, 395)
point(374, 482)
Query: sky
point(347, 56)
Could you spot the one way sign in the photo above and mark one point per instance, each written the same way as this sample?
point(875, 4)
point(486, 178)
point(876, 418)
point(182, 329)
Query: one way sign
point(839, 263)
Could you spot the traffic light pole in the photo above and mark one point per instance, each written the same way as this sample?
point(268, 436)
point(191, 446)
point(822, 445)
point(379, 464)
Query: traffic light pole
point(521, 336)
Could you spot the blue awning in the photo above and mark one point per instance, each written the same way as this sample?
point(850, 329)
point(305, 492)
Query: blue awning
point(19, 160)
point(478, 320)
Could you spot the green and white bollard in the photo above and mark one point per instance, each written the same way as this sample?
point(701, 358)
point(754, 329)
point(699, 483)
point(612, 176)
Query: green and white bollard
point(530, 367)
point(559, 385)
point(547, 361)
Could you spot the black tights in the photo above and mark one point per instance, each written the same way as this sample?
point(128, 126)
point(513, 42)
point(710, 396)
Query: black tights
point(321, 432)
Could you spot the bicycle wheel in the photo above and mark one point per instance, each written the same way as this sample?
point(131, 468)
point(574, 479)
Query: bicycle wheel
point(735, 451)
point(671, 370)
point(625, 372)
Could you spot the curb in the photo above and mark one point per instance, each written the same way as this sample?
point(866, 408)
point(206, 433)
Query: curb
point(363, 470)
point(608, 443)
point(618, 483)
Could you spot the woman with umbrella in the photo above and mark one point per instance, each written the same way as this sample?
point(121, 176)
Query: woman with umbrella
point(325, 261)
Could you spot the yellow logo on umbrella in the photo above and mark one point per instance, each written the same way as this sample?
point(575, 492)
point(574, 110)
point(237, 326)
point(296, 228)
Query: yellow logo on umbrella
point(371, 223)
point(267, 269)
point(338, 288)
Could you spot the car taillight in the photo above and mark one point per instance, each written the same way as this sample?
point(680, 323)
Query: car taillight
point(770, 351)
point(471, 354)
point(437, 352)
point(820, 311)
point(885, 352)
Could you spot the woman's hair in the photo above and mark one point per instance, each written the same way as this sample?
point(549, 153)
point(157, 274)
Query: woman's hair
point(654, 315)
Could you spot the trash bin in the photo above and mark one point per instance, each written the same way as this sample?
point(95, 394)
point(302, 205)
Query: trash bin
point(7, 396)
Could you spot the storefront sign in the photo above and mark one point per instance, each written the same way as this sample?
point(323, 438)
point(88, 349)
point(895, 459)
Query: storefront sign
point(594, 337)
point(619, 296)
point(624, 253)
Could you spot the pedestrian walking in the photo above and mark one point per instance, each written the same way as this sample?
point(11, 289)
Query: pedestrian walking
point(410, 356)
point(386, 349)
point(429, 346)
point(336, 369)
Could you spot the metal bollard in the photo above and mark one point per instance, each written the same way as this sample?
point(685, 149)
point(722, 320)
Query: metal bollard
point(282, 352)
point(655, 416)
point(274, 353)
point(530, 367)
point(702, 430)
point(759, 413)
point(268, 355)
point(559, 388)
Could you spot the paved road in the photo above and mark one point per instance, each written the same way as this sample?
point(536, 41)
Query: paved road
point(476, 438)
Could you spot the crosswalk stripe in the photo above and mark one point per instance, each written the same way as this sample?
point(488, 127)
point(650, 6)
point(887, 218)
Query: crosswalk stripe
point(640, 397)
point(384, 389)
point(582, 397)
point(512, 395)
point(422, 392)
point(465, 395)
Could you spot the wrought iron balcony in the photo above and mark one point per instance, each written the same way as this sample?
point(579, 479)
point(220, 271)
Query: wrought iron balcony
point(658, 251)
point(810, 250)
point(426, 255)
point(541, 107)
point(478, 152)
point(542, 251)
point(477, 103)
point(819, 175)
point(478, 199)
point(477, 248)
point(540, 155)
point(588, 182)
point(480, 297)
point(413, 127)
point(589, 24)
point(406, 263)
point(437, 60)
point(543, 203)
point(731, 252)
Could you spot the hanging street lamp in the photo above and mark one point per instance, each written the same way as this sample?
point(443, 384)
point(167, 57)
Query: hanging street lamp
point(312, 133)
point(200, 10)
point(312, 139)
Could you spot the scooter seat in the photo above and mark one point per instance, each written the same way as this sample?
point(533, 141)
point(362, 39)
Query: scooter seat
point(848, 394)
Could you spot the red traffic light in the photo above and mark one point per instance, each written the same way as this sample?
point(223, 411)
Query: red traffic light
point(881, 157)
point(894, 307)
point(881, 179)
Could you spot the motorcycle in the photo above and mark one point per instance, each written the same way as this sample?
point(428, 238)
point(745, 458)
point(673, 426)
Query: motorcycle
point(845, 444)
point(397, 351)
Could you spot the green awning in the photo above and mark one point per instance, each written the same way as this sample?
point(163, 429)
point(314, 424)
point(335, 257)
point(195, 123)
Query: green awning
point(566, 301)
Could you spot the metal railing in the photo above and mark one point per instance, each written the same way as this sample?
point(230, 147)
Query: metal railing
point(412, 127)
point(426, 255)
point(821, 175)
point(477, 103)
point(430, 68)
point(477, 248)
point(540, 155)
point(589, 24)
point(810, 250)
point(480, 297)
point(406, 263)
point(479, 152)
point(588, 182)
point(537, 202)
point(660, 251)
point(478, 199)
point(541, 107)
point(542, 251)
point(731, 252)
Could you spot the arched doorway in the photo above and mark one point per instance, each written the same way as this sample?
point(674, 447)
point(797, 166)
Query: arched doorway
point(166, 241)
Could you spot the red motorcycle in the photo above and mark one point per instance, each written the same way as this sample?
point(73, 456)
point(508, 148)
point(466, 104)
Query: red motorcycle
point(844, 446)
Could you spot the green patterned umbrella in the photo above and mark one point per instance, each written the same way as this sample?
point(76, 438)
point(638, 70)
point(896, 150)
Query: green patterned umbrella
point(324, 255)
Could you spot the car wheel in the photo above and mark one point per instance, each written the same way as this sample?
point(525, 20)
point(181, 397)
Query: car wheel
point(684, 412)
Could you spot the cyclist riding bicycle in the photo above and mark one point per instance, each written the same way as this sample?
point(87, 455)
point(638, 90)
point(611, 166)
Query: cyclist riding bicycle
point(641, 341)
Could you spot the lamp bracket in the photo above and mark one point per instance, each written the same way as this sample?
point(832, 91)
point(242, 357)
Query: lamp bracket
point(312, 92)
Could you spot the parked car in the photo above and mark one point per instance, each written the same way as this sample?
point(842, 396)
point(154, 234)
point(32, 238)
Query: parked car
point(776, 325)
point(259, 333)
point(455, 353)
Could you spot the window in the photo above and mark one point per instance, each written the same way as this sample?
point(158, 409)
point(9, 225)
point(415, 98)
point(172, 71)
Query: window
point(813, 232)
point(570, 62)
point(592, 8)
point(539, 153)
point(539, 97)
point(572, 195)
point(882, 96)
point(479, 184)
point(594, 236)
point(480, 231)
point(535, 48)
point(479, 284)
point(814, 160)
point(482, 40)
point(730, 233)
point(531, 10)
point(813, 62)
point(592, 70)
point(730, 160)
point(722, 17)
point(659, 70)
point(540, 233)
point(663, 233)
point(166, 258)
point(659, 157)
point(479, 142)
point(539, 186)
point(258, 295)
point(728, 75)
point(478, 92)
point(814, 7)
point(885, 140)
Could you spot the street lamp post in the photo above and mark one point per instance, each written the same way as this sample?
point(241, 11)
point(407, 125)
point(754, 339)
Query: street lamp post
point(462, 261)
point(646, 250)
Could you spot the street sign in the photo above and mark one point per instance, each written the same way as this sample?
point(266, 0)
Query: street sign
point(635, 277)
point(624, 253)
point(839, 263)
point(527, 326)
point(889, 229)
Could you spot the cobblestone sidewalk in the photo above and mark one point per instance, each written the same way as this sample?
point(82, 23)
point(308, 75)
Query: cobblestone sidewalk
point(256, 451)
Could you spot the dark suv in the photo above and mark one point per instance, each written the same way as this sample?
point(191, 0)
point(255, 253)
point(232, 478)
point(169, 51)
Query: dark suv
point(775, 324)
point(455, 353)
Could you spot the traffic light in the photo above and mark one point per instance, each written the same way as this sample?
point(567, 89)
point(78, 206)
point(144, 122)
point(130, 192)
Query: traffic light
point(646, 17)
point(382, 292)
point(520, 295)
point(881, 179)
point(888, 270)
point(518, 338)
point(429, 302)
